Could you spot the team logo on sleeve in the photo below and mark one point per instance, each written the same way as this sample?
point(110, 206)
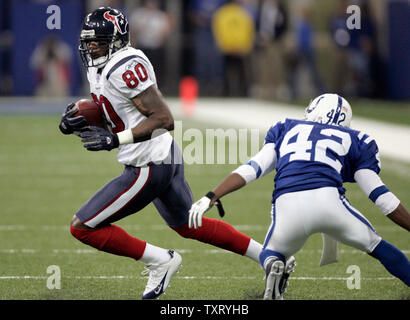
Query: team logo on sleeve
point(118, 20)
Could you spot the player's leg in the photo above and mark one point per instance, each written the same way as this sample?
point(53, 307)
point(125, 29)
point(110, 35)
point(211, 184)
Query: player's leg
point(360, 234)
point(130, 192)
point(92, 223)
point(394, 260)
point(174, 205)
point(284, 238)
point(345, 223)
point(109, 238)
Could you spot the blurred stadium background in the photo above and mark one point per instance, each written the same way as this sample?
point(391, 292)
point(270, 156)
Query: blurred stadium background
point(251, 65)
point(283, 50)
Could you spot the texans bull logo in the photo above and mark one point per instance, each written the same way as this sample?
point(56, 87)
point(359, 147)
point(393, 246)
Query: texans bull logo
point(118, 20)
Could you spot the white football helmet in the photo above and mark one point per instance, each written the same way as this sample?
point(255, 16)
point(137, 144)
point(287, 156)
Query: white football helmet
point(329, 108)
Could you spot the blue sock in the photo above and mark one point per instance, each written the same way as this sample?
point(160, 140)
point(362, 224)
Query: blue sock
point(269, 253)
point(393, 260)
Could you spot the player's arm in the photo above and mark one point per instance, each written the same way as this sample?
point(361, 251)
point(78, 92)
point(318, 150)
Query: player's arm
point(151, 104)
point(146, 98)
point(232, 182)
point(259, 165)
point(401, 217)
point(371, 184)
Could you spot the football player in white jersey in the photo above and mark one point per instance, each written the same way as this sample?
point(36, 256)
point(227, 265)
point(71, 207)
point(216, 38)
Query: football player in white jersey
point(123, 84)
point(313, 158)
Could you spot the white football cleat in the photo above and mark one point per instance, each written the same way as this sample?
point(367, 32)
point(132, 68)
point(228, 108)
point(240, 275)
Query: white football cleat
point(160, 276)
point(274, 271)
point(289, 268)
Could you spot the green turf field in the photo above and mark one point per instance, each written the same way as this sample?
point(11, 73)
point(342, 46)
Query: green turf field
point(46, 177)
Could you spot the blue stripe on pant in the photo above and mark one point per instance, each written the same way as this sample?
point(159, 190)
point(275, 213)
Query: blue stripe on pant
point(266, 253)
point(354, 213)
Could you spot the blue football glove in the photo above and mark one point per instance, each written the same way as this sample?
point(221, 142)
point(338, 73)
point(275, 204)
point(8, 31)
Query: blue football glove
point(68, 124)
point(96, 139)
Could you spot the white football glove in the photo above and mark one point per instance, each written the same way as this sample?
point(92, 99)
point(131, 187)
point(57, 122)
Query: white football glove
point(197, 211)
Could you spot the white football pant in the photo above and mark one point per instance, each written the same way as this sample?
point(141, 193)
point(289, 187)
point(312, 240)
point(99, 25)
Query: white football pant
point(297, 215)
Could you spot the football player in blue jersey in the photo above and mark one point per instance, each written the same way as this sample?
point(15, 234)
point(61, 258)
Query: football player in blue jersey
point(313, 158)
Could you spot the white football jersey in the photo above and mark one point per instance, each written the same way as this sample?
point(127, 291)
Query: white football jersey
point(127, 74)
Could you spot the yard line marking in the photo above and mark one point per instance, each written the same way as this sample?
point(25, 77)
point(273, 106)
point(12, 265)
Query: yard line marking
point(159, 227)
point(12, 228)
point(103, 277)
point(18, 251)
point(78, 251)
point(291, 278)
point(86, 251)
point(180, 250)
point(22, 277)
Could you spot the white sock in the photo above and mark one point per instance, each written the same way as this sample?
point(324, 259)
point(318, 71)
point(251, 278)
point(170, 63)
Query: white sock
point(155, 255)
point(254, 250)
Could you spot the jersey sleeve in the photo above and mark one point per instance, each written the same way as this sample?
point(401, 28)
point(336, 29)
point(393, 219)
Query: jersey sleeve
point(371, 184)
point(132, 76)
point(265, 160)
point(259, 165)
point(274, 133)
point(368, 154)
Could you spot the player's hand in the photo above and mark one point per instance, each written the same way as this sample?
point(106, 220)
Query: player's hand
point(68, 124)
point(197, 211)
point(96, 139)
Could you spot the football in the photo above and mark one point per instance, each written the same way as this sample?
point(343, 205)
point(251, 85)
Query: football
point(91, 112)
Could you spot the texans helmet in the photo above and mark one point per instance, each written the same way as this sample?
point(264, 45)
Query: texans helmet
point(329, 108)
point(104, 30)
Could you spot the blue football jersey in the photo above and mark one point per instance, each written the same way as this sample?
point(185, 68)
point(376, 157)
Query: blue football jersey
point(312, 155)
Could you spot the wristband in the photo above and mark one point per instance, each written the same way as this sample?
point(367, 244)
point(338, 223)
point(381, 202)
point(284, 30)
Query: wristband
point(125, 137)
point(210, 195)
point(218, 203)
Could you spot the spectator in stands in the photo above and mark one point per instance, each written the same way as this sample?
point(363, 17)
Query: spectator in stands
point(233, 29)
point(150, 28)
point(363, 56)
point(304, 55)
point(270, 50)
point(340, 56)
point(51, 62)
point(208, 64)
